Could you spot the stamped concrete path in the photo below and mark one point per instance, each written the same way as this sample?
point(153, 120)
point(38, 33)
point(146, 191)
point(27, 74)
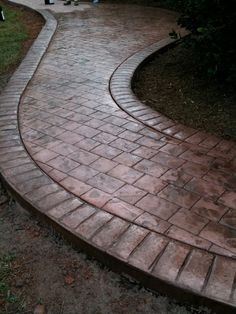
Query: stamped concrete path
point(135, 189)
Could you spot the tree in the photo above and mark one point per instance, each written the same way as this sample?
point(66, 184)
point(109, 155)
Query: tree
point(212, 24)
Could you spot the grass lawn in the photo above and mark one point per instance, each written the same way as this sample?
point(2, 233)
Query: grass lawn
point(17, 34)
point(9, 302)
point(13, 33)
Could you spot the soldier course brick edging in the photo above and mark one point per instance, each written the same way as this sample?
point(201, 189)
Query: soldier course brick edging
point(172, 267)
point(121, 91)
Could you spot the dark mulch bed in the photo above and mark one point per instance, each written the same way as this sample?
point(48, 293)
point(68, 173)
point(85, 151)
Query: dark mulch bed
point(170, 83)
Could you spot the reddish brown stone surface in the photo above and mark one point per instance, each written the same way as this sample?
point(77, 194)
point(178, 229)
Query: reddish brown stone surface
point(160, 199)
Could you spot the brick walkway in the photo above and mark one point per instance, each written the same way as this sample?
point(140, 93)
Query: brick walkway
point(159, 201)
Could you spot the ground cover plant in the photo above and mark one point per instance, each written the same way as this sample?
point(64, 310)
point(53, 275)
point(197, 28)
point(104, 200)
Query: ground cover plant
point(9, 302)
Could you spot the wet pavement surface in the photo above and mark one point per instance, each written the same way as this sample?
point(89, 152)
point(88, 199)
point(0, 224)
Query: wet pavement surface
point(164, 204)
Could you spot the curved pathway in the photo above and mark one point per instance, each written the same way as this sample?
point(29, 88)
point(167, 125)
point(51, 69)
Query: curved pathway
point(158, 202)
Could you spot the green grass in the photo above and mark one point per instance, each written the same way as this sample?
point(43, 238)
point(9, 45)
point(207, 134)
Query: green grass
point(12, 36)
point(9, 302)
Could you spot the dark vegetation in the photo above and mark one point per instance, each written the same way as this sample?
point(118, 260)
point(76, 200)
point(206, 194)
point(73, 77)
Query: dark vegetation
point(212, 24)
point(195, 82)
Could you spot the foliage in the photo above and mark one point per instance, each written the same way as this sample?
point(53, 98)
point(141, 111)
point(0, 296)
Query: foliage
point(9, 302)
point(12, 36)
point(212, 24)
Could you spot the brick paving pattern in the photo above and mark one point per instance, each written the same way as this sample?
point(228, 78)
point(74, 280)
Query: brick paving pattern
point(161, 199)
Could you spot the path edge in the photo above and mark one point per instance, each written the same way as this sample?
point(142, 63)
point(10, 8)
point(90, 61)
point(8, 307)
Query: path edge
point(120, 87)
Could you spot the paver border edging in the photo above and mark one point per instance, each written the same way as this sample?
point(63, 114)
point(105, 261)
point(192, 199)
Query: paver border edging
point(13, 91)
point(121, 91)
point(119, 266)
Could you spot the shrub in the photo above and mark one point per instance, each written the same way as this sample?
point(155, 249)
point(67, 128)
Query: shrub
point(212, 24)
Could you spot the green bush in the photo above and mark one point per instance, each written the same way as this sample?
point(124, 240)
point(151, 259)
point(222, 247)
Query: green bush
point(212, 24)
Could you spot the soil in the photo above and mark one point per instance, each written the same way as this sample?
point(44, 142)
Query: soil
point(46, 271)
point(171, 84)
point(33, 23)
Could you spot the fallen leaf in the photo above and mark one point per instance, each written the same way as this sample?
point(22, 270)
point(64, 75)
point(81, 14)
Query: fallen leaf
point(69, 279)
point(40, 309)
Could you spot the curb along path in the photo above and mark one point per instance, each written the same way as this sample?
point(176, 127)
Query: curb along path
point(158, 203)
